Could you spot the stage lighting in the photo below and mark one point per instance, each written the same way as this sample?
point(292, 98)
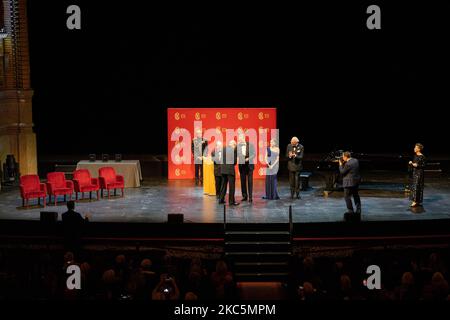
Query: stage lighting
point(105, 157)
point(118, 157)
point(92, 157)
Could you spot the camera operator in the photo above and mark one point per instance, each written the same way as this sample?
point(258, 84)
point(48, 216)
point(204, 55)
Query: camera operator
point(349, 169)
point(166, 289)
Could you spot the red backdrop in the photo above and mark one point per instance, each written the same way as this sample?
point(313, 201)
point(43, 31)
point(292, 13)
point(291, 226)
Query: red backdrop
point(218, 119)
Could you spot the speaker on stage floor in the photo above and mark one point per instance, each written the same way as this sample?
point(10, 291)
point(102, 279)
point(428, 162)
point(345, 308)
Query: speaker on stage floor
point(175, 218)
point(49, 217)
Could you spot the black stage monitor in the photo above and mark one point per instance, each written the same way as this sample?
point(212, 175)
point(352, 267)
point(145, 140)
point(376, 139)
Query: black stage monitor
point(175, 218)
point(49, 217)
point(92, 157)
point(118, 157)
point(105, 157)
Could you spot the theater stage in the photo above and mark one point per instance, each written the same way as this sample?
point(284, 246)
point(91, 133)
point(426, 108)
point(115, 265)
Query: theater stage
point(383, 199)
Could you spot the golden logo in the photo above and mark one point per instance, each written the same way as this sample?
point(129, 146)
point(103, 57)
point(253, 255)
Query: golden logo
point(177, 172)
point(197, 116)
point(218, 116)
point(177, 116)
point(260, 116)
point(240, 116)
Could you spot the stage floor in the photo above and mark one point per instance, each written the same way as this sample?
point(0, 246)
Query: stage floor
point(383, 199)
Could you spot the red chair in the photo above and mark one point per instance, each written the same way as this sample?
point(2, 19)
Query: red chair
point(57, 185)
point(110, 180)
point(83, 182)
point(32, 188)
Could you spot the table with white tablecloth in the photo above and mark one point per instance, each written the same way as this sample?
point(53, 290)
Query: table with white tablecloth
point(129, 169)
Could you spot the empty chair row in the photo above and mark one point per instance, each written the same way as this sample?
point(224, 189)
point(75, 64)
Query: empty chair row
point(57, 185)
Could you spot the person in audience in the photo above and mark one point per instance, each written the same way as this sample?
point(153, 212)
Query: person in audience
point(111, 285)
point(74, 226)
point(143, 281)
point(190, 296)
point(222, 280)
point(407, 289)
point(345, 287)
point(166, 289)
point(307, 292)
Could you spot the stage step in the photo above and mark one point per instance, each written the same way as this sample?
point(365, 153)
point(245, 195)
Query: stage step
point(246, 246)
point(257, 236)
point(259, 252)
point(263, 276)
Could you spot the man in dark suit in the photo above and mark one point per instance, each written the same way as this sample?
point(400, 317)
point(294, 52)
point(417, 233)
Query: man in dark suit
point(228, 173)
point(349, 169)
point(246, 156)
point(294, 153)
point(73, 227)
point(217, 157)
point(199, 148)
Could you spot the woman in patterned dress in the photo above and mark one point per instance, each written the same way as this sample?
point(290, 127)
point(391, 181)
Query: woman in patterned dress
point(417, 184)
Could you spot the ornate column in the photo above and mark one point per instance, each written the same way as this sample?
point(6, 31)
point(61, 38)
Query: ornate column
point(16, 123)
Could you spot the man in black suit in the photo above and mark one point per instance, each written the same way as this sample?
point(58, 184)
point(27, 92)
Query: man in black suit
point(73, 226)
point(349, 169)
point(199, 148)
point(228, 173)
point(245, 156)
point(217, 156)
point(294, 153)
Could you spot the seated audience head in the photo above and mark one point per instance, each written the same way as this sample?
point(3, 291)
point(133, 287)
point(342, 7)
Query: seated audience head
point(407, 279)
point(71, 205)
point(146, 264)
point(190, 296)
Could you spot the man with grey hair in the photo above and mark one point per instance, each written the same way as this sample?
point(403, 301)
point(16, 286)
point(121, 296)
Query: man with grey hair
point(294, 153)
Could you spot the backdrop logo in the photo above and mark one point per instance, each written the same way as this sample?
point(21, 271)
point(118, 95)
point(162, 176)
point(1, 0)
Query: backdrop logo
point(74, 280)
point(260, 116)
point(177, 116)
point(374, 280)
point(218, 116)
point(197, 116)
point(177, 172)
point(240, 116)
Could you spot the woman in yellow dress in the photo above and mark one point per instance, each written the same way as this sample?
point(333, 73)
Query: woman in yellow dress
point(209, 182)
